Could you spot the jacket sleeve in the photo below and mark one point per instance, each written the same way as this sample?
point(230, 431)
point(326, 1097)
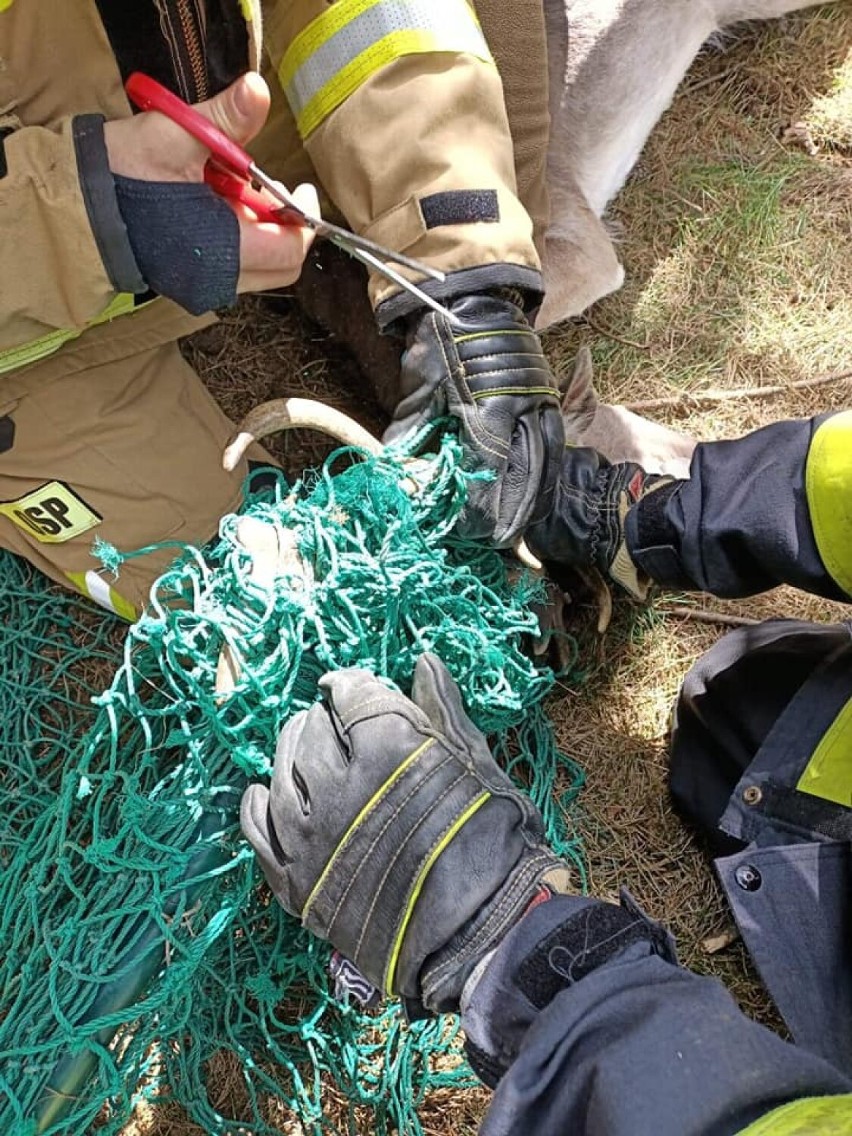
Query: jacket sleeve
point(773, 507)
point(400, 107)
point(57, 274)
point(601, 1035)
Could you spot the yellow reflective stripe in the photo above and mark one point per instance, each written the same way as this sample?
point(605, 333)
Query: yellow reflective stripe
point(515, 390)
point(36, 349)
point(487, 334)
point(810, 1116)
point(828, 774)
point(340, 49)
point(351, 77)
point(390, 970)
point(98, 590)
point(317, 32)
point(828, 484)
point(397, 773)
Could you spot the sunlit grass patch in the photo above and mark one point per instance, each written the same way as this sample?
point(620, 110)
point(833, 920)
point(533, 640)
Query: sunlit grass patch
point(829, 119)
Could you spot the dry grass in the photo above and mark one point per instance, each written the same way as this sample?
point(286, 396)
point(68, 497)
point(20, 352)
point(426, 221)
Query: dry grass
point(739, 275)
point(737, 248)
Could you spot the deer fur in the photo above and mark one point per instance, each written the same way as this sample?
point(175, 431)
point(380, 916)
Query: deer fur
point(614, 67)
point(618, 433)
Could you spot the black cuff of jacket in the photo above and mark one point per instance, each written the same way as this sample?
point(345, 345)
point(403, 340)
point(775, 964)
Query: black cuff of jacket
point(553, 947)
point(653, 539)
point(186, 240)
point(98, 188)
point(465, 282)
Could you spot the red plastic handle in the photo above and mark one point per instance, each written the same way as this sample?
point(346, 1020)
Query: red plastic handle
point(237, 189)
point(148, 94)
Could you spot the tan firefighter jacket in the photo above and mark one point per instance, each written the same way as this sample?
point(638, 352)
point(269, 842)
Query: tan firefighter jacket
point(396, 106)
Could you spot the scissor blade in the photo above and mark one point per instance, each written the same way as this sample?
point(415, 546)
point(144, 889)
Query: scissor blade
point(345, 238)
point(380, 266)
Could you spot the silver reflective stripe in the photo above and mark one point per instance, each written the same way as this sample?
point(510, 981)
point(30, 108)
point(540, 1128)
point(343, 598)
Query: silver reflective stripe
point(96, 588)
point(450, 22)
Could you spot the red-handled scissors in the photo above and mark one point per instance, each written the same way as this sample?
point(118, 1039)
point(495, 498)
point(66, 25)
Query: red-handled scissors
point(232, 173)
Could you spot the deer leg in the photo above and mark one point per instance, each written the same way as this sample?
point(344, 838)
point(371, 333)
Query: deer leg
point(614, 66)
point(621, 61)
point(732, 11)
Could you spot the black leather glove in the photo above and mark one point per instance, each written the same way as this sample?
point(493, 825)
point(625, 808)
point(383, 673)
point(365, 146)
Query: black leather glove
point(389, 830)
point(585, 526)
point(488, 371)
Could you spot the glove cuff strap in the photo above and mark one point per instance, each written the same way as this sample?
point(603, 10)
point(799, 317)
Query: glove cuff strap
point(445, 974)
point(555, 946)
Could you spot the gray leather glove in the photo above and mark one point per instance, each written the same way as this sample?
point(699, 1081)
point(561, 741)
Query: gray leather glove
point(489, 371)
point(389, 830)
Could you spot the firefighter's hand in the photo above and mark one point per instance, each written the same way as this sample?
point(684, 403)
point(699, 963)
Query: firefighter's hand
point(389, 830)
point(585, 525)
point(488, 371)
point(189, 243)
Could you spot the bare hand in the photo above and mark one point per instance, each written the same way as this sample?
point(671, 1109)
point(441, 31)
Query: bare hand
point(151, 147)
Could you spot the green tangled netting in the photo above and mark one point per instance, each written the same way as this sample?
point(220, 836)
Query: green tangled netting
point(139, 957)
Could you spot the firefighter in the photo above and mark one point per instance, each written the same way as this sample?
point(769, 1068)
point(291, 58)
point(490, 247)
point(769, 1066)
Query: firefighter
point(112, 249)
point(389, 829)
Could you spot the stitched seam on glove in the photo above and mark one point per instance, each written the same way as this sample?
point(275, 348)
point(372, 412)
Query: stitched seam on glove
point(478, 431)
point(483, 936)
point(595, 502)
point(359, 819)
point(474, 335)
point(392, 704)
point(498, 353)
point(446, 838)
point(475, 425)
point(434, 806)
point(501, 370)
point(490, 391)
point(354, 828)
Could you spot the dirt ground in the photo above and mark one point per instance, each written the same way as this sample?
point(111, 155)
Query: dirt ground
point(735, 233)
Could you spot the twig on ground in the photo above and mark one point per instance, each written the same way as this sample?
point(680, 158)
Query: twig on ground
point(716, 943)
point(717, 78)
point(701, 615)
point(689, 401)
point(607, 334)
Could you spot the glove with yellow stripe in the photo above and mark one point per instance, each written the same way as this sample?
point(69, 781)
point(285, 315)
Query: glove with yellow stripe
point(489, 371)
point(389, 830)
